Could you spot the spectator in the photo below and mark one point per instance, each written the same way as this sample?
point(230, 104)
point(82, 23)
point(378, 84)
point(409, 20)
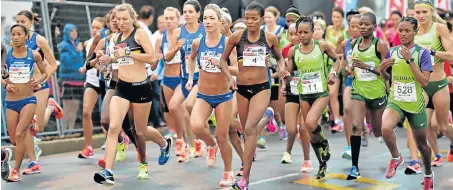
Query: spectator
point(392, 32)
point(160, 29)
point(71, 59)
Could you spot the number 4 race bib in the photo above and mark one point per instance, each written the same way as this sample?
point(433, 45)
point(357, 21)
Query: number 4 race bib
point(312, 83)
point(404, 92)
point(254, 56)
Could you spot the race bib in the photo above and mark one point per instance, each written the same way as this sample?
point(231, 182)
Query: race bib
point(365, 75)
point(206, 64)
point(428, 47)
point(187, 65)
point(176, 59)
point(312, 83)
point(20, 73)
point(404, 92)
point(254, 57)
point(294, 85)
point(124, 61)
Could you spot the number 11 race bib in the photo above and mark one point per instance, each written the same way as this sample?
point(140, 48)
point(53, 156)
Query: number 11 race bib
point(312, 83)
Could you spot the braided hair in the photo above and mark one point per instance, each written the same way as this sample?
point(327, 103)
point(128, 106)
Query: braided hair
point(411, 20)
point(255, 6)
point(306, 20)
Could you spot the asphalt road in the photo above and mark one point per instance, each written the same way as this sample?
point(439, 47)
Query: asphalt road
point(66, 171)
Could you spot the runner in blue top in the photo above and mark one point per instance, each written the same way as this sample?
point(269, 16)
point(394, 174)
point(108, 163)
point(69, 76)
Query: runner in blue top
point(182, 41)
point(45, 106)
point(20, 100)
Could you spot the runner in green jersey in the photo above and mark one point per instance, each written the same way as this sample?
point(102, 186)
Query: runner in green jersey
point(368, 87)
point(433, 35)
point(408, 67)
point(291, 16)
point(308, 58)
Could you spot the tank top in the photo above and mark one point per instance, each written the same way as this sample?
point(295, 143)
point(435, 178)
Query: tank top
point(284, 41)
point(164, 49)
point(110, 48)
point(130, 44)
point(32, 44)
point(187, 48)
point(430, 41)
point(92, 75)
point(252, 54)
point(366, 83)
point(312, 70)
point(20, 70)
point(206, 53)
point(405, 91)
point(347, 52)
point(333, 39)
point(276, 32)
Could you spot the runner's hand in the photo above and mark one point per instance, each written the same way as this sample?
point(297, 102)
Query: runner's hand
point(386, 64)
point(189, 85)
point(405, 53)
point(332, 78)
point(283, 90)
point(450, 79)
point(232, 83)
point(10, 88)
point(359, 64)
point(82, 70)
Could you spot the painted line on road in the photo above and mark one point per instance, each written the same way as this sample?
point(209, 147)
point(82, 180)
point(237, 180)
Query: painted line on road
point(376, 185)
point(274, 178)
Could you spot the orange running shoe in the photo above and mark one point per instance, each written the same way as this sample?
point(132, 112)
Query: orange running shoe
point(199, 148)
point(87, 152)
point(450, 156)
point(101, 162)
point(212, 154)
point(179, 145)
point(33, 168)
point(227, 179)
point(57, 110)
point(14, 176)
point(184, 156)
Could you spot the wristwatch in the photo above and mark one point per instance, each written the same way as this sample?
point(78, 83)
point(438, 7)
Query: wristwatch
point(127, 52)
point(433, 52)
point(410, 61)
point(334, 73)
point(371, 68)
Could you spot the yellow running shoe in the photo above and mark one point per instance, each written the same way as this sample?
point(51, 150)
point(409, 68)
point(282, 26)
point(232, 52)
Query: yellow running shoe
point(142, 172)
point(120, 152)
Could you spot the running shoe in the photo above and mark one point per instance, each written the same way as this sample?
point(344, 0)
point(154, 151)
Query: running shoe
point(241, 171)
point(286, 158)
point(142, 172)
point(413, 168)
point(393, 165)
point(353, 174)
point(33, 168)
point(282, 132)
point(254, 156)
point(364, 138)
point(271, 124)
point(241, 185)
point(347, 153)
point(57, 110)
point(103, 147)
point(104, 177)
point(14, 176)
point(227, 179)
point(87, 152)
point(192, 152)
point(6, 167)
point(179, 146)
point(381, 140)
point(428, 183)
point(212, 154)
point(165, 152)
point(261, 143)
point(120, 151)
point(101, 162)
point(306, 167)
point(322, 171)
point(38, 152)
point(337, 128)
point(199, 148)
point(184, 156)
point(437, 162)
point(450, 156)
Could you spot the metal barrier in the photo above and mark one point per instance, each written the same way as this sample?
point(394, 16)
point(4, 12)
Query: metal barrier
point(53, 13)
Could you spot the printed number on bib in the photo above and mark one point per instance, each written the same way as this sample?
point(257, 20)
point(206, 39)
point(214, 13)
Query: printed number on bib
point(19, 73)
point(187, 65)
point(125, 61)
point(206, 63)
point(254, 57)
point(294, 84)
point(365, 75)
point(312, 83)
point(405, 92)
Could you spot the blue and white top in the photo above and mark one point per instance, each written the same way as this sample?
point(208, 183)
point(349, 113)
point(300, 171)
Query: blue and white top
point(20, 69)
point(205, 54)
point(187, 48)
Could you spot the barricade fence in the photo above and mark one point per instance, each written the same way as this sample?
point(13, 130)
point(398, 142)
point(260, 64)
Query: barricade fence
point(53, 16)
